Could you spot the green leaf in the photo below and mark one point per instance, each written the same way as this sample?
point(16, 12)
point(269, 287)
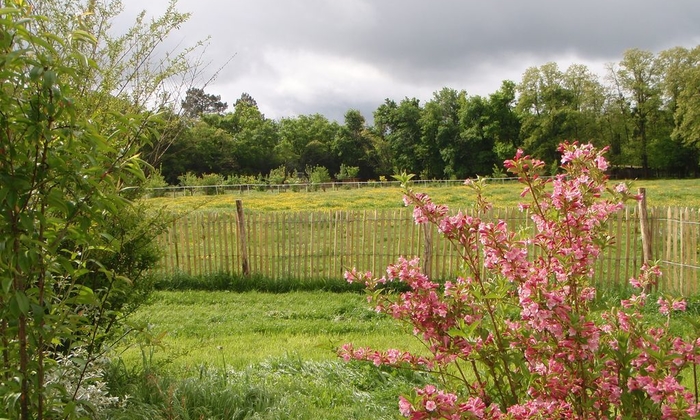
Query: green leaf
point(49, 79)
point(80, 35)
point(456, 332)
point(10, 11)
point(57, 201)
point(6, 285)
point(22, 302)
point(84, 296)
point(35, 73)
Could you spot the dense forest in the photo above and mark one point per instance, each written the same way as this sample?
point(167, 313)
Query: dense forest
point(646, 108)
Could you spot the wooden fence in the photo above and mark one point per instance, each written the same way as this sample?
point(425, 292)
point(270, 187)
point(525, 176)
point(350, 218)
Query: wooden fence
point(325, 244)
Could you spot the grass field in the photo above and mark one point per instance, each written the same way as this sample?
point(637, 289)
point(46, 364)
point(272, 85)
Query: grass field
point(234, 330)
point(684, 193)
point(259, 355)
point(262, 356)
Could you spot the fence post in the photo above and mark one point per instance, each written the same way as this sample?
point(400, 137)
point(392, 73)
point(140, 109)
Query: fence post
point(243, 238)
point(645, 227)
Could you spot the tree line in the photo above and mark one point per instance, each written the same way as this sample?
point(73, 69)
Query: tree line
point(645, 108)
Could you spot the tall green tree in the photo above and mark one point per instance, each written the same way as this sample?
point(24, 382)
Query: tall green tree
point(398, 125)
point(617, 120)
point(201, 149)
point(197, 102)
point(295, 135)
point(638, 76)
point(587, 100)
point(254, 139)
point(239, 142)
point(547, 110)
point(681, 86)
point(352, 144)
point(489, 132)
point(475, 152)
point(504, 122)
point(440, 134)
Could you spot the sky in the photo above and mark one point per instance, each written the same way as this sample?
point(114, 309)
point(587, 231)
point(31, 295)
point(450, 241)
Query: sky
point(299, 57)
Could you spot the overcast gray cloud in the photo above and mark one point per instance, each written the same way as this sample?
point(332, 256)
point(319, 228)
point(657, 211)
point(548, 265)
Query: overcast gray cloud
point(327, 56)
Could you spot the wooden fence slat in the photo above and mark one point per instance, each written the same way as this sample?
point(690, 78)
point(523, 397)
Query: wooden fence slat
point(349, 242)
point(184, 247)
point(385, 247)
point(682, 247)
point(306, 241)
point(187, 243)
point(695, 250)
point(392, 232)
point(210, 244)
point(219, 233)
point(242, 239)
point(298, 244)
point(262, 237)
point(258, 228)
point(204, 242)
point(201, 239)
point(270, 242)
point(262, 234)
point(673, 237)
point(276, 272)
point(337, 242)
point(288, 249)
point(196, 243)
point(322, 245)
point(235, 246)
point(618, 246)
point(252, 251)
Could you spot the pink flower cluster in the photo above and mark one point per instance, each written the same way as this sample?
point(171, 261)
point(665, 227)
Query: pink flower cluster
point(391, 357)
point(435, 404)
point(518, 318)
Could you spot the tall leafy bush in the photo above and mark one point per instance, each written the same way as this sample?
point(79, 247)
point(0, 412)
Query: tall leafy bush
point(73, 248)
point(514, 336)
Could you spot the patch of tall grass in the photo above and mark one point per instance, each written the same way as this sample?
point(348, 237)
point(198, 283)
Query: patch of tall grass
point(278, 388)
point(235, 282)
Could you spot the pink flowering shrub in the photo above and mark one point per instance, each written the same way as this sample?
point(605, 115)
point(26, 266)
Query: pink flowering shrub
point(513, 336)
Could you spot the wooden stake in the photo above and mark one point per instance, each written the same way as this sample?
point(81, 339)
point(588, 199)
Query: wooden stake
point(243, 238)
point(645, 227)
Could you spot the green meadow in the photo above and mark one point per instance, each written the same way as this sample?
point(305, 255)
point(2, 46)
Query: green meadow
point(661, 193)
